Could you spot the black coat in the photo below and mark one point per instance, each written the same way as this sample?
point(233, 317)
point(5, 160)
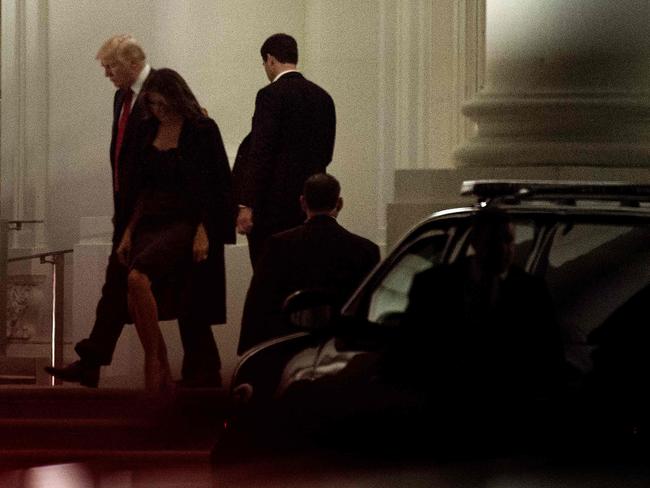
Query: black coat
point(292, 137)
point(207, 173)
point(317, 254)
point(124, 200)
point(239, 167)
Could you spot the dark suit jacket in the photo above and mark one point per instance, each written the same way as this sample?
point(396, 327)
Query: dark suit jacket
point(317, 254)
point(454, 340)
point(239, 167)
point(124, 201)
point(209, 190)
point(292, 137)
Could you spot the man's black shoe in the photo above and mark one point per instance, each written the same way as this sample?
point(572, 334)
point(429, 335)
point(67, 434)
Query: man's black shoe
point(77, 372)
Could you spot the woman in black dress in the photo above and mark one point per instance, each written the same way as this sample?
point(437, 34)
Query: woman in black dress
point(174, 243)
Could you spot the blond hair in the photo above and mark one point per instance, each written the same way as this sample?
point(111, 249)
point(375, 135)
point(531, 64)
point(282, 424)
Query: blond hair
point(122, 48)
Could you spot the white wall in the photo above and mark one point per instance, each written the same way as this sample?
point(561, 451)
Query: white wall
point(347, 47)
point(213, 44)
point(80, 108)
point(341, 54)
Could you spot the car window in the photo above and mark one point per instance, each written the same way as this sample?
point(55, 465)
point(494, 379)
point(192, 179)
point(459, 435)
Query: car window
point(391, 295)
point(594, 270)
point(390, 298)
point(525, 235)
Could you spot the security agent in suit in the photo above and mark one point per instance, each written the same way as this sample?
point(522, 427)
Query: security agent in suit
point(124, 63)
point(480, 325)
point(292, 137)
point(317, 254)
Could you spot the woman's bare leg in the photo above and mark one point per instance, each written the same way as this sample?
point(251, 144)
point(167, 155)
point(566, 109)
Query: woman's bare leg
point(144, 311)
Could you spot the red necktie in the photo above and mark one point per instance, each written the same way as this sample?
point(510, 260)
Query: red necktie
point(121, 126)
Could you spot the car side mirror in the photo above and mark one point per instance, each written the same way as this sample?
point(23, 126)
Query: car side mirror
point(309, 309)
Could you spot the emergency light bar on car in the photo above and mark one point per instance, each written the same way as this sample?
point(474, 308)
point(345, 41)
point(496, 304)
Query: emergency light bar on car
point(566, 192)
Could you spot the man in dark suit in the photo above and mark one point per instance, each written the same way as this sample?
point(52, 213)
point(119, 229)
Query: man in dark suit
point(480, 326)
point(124, 63)
point(292, 137)
point(317, 254)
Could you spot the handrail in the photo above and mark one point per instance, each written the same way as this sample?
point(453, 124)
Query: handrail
point(40, 255)
point(57, 260)
point(18, 224)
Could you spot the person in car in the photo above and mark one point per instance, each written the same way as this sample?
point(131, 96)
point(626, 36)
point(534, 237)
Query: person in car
point(480, 326)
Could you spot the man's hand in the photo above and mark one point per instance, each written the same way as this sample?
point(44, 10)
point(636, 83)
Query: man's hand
point(201, 245)
point(245, 220)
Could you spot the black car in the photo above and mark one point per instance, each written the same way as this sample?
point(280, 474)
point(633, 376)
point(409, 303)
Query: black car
point(374, 381)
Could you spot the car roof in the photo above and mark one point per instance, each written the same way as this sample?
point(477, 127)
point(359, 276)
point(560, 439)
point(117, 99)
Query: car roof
point(605, 199)
point(562, 193)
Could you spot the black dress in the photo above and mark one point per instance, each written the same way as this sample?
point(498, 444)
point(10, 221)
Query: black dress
point(163, 236)
point(176, 190)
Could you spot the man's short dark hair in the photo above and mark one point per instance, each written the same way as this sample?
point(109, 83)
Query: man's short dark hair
point(492, 227)
point(321, 192)
point(282, 47)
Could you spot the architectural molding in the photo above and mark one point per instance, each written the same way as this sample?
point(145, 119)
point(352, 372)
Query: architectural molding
point(26, 307)
point(577, 96)
point(439, 50)
point(413, 75)
point(386, 141)
point(469, 63)
point(24, 118)
point(431, 61)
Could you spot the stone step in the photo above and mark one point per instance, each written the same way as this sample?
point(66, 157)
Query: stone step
point(69, 422)
point(22, 401)
point(133, 433)
point(22, 370)
point(112, 459)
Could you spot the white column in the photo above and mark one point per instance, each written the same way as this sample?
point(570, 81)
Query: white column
point(468, 63)
point(413, 71)
point(24, 118)
point(439, 64)
point(566, 85)
point(435, 66)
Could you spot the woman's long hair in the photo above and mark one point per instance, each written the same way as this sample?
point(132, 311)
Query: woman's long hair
point(175, 90)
